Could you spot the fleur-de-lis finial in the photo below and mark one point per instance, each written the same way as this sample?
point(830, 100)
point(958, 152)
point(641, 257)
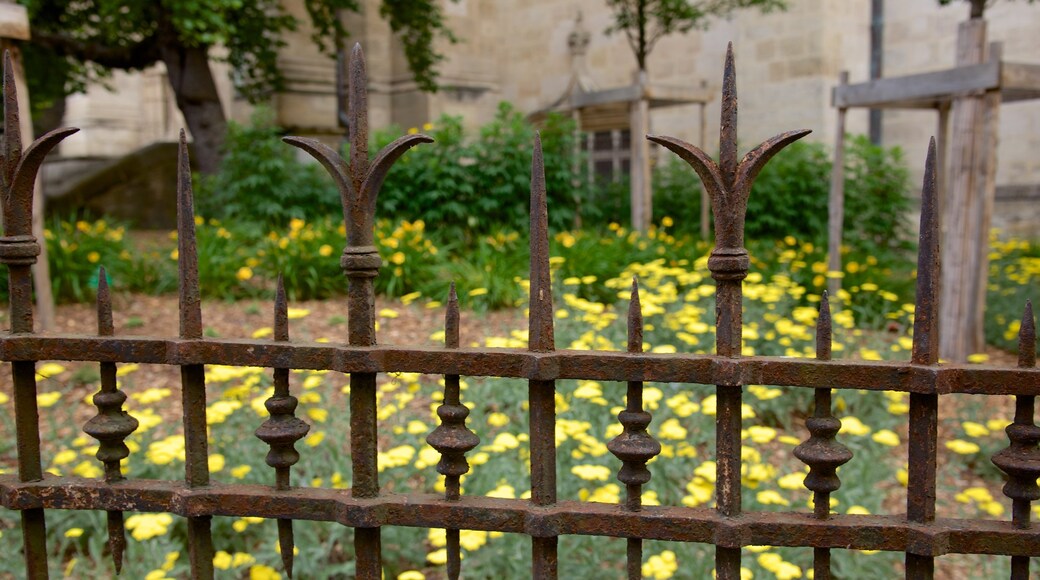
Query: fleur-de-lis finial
point(18, 169)
point(359, 181)
point(729, 182)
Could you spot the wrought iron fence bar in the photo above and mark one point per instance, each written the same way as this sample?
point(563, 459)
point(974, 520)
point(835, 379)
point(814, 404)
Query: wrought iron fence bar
point(1021, 459)
point(902, 376)
point(451, 438)
point(193, 376)
point(18, 250)
point(541, 393)
point(924, 407)
point(822, 452)
point(668, 523)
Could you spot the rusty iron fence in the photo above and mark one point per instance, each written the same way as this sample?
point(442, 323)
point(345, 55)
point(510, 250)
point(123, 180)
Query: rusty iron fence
point(918, 533)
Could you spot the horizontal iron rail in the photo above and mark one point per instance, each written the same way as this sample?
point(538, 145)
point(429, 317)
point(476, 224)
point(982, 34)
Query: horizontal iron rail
point(540, 366)
point(682, 524)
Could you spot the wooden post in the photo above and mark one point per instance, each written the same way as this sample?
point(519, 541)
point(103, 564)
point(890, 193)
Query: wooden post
point(988, 131)
point(836, 204)
point(14, 26)
point(968, 207)
point(942, 139)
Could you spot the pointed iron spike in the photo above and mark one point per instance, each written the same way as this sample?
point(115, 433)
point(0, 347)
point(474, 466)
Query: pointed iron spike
point(635, 320)
point(540, 317)
point(116, 539)
point(926, 309)
point(187, 259)
point(823, 329)
point(1027, 338)
point(358, 115)
point(104, 305)
point(12, 127)
point(286, 545)
point(281, 312)
point(728, 126)
point(451, 319)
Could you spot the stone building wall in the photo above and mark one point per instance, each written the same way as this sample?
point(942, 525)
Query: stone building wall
point(516, 50)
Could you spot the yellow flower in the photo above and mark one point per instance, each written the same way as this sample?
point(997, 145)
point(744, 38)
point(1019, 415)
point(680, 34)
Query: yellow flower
point(314, 439)
point(505, 491)
point(146, 526)
point(858, 510)
point(262, 572)
point(771, 497)
point(222, 560)
point(478, 291)
point(660, 566)
point(591, 472)
point(761, 434)
point(972, 429)
point(325, 250)
point(388, 313)
point(437, 557)
point(411, 575)
point(886, 437)
point(295, 313)
point(774, 563)
point(671, 429)
point(262, 332)
point(48, 399)
point(978, 358)
point(397, 258)
point(65, 456)
point(319, 415)
point(216, 462)
point(244, 273)
point(93, 257)
point(240, 471)
point(853, 426)
point(48, 370)
point(73, 532)
point(962, 447)
point(498, 419)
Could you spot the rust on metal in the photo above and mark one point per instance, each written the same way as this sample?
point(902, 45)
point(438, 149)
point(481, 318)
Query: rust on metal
point(18, 250)
point(822, 452)
point(359, 181)
point(193, 376)
point(634, 446)
point(924, 408)
point(282, 429)
point(112, 425)
point(541, 394)
point(451, 438)
point(1021, 459)
point(728, 184)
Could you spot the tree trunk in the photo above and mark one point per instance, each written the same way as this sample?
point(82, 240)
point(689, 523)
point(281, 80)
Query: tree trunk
point(639, 167)
point(192, 82)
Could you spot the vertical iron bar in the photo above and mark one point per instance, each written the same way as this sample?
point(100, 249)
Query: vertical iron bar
point(112, 425)
point(18, 250)
point(924, 408)
point(728, 183)
point(634, 446)
point(282, 429)
point(541, 394)
point(358, 182)
point(1021, 459)
point(821, 452)
point(361, 262)
point(728, 264)
point(193, 377)
point(451, 438)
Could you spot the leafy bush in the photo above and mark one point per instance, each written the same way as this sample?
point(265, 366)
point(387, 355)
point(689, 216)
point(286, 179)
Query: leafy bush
point(790, 196)
point(480, 186)
point(261, 181)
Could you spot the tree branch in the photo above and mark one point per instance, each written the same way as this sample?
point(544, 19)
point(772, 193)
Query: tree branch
point(136, 56)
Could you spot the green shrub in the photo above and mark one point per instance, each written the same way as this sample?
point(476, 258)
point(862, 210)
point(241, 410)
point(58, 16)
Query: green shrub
point(473, 187)
point(261, 181)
